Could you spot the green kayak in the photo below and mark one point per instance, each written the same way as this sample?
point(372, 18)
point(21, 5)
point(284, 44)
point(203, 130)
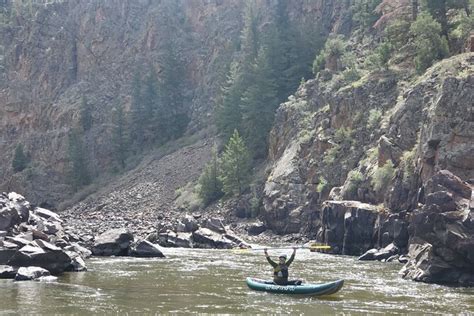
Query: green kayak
point(305, 289)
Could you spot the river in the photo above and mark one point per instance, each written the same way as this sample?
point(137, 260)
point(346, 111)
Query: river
point(213, 281)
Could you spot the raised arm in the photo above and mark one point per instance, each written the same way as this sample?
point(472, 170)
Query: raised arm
point(270, 261)
point(292, 257)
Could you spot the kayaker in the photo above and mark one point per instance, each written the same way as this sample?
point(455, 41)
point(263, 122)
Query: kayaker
point(280, 269)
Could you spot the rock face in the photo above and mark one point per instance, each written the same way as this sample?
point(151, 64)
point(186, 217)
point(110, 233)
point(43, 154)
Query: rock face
point(114, 242)
point(50, 73)
point(442, 234)
point(324, 147)
point(349, 227)
point(36, 238)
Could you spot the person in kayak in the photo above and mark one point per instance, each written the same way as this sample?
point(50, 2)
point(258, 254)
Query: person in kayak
point(280, 269)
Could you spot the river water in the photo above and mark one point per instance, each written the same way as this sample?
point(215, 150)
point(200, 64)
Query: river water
point(213, 281)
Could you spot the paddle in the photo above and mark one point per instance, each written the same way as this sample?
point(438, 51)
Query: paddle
point(311, 247)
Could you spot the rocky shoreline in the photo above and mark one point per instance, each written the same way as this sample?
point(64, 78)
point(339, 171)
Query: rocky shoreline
point(434, 241)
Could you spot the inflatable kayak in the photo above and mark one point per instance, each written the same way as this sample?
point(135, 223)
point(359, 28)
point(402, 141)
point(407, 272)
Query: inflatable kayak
point(305, 289)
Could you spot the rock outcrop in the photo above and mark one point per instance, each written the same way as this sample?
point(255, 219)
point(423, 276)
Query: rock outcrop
point(442, 233)
point(36, 238)
point(114, 242)
point(324, 146)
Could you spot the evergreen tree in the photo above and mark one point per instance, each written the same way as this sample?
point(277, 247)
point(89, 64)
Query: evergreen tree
point(364, 13)
point(235, 166)
point(151, 104)
point(258, 106)
point(86, 114)
point(20, 160)
point(429, 43)
point(210, 186)
point(228, 111)
point(119, 136)
point(79, 173)
point(173, 115)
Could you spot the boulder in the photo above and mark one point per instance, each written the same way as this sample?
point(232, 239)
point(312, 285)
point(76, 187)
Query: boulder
point(41, 254)
point(6, 254)
point(214, 224)
point(114, 242)
point(77, 263)
point(7, 272)
point(146, 249)
point(82, 251)
point(31, 273)
point(386, 252)
point(256, 228)
point(172, 239)
point(206, 238)
point(19, 241)
point(47, 214)
point(8, 218)
point(190, 223)
point(21, 205)
point(369, 255)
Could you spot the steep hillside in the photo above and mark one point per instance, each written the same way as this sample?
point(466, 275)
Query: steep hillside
point(59, 52)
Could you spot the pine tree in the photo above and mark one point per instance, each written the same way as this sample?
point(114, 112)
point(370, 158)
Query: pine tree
point(210, 186)
point(20, 160)
point(151, 103)
point(119, 136)
point(228, 111)
point(429, 43)
point(79, 173)
point(235, 166)
point(258, 106)
point(173, 116)
point(86, 114)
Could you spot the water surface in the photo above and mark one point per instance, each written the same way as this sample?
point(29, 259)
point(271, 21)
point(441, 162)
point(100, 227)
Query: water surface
point(213, 281)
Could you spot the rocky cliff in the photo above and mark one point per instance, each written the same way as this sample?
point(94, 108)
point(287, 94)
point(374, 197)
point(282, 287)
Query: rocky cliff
point(56, 52)
point(380, 172)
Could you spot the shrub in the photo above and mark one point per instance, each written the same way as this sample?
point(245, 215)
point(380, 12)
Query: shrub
point(382, 176)
point(408, 163)
point(322, 185)
point(354, 179)
point(374, 118)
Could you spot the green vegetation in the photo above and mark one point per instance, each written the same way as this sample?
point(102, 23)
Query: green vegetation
point(322, 185)
point(374, 118)
point(429, 43)
point(235, 166)
point(408, 165)
point(364, 13)
point(382, 176)
point(20, 160)
point(269, 68)
point(331, 55)
point(354, 179)
point(78, 164)
point(210, 186)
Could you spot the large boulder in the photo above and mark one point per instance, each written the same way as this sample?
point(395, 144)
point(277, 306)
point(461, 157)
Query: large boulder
point(190, 224)
point(8, 218)
point(172, 239)
point(206, 238)
point(214, 224)
point(145, 248)
point(31, 273)
point(114, 242)
point(256, 228)
point(7, 272)
point(42, 254)
point(82, 251)
point(6, 254)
